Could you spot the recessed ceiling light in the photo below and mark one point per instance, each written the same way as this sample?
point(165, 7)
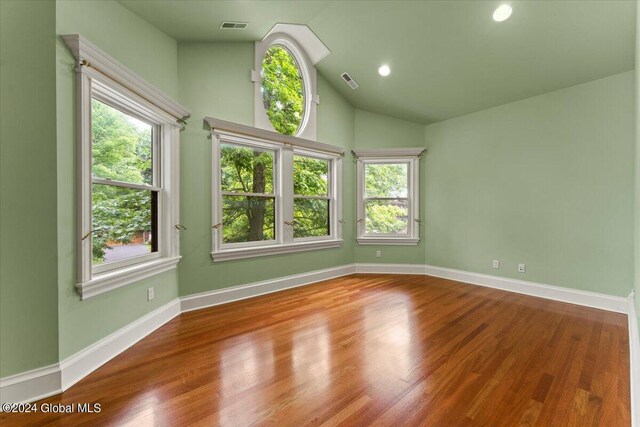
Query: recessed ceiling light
point(384, 70)
point(502, 13)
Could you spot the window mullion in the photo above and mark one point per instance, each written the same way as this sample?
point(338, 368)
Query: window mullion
point(360, 191)
point(263, 195)
point(155, 156)
point(216, 209)
point(413, 192)
point(123, 184)
point(286, 195)
point(295, 196)
point(84, 186)
point(336, 194)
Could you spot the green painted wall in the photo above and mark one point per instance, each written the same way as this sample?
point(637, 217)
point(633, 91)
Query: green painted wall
point(377, 131)
point(215, 81)
point(547, 181)
point(28, 312)
point(153, 55)
point(125, 36)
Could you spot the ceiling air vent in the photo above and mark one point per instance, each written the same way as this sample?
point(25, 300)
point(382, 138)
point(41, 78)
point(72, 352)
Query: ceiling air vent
point(352, 83)
point(229, 25)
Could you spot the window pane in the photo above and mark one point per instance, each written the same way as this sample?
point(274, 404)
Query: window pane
point(247, 170)
point(310, 176)
point(121, 145)
point(282, 90)
point(386, 216)
point(386, 180)
point(248, 219)
point(124, 223)
point(311, 217)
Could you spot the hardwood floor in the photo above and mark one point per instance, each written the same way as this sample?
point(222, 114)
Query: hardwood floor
point(367, 350)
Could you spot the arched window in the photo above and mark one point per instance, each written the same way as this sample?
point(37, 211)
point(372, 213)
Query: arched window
point(285, 81)
point(283, 90)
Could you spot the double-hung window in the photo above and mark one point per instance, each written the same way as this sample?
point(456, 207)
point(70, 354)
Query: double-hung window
point(388, 207)
point(248, 191)
point(312, 196)
point(126, 189)
point(272, 193)
point(127, 175)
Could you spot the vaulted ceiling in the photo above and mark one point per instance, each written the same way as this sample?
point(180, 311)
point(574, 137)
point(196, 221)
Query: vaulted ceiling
point(447, 58)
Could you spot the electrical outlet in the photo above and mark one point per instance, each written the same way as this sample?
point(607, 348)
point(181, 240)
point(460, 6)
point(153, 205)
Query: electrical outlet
point(496, 263)
point(522, 268)
point(378, 254)
point(150, 294)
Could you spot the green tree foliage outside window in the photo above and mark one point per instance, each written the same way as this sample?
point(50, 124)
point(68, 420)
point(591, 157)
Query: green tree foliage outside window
point(282, 90)
point(310, 179)
point(121, 151)
point(386, 205)
point(245, 171)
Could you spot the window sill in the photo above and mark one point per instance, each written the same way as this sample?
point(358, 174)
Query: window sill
point(398, 241)
point(104, 282)
point(258, 251)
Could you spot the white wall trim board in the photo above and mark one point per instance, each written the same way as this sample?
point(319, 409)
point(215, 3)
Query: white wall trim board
point(50, 380)
point(105, 282)
point(87, 360)
point(310, 42)
point(231, 128)
point(390, 268)
point(44, 382)
point(31, 385)
point(258, 251)
point(557, 293)
point(388, 152)
point(98, 59)
point(236, 293)
point(634, 355)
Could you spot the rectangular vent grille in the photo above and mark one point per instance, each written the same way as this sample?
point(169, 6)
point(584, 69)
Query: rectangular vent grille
point(229, 25)
point(352, 83)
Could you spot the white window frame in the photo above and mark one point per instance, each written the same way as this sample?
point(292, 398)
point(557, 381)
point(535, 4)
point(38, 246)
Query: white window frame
point(101, 77)
point(277, 155)
point(285, 148)
point(308, 127)
point(409, 156)
point(112, 99)
point(332, 191)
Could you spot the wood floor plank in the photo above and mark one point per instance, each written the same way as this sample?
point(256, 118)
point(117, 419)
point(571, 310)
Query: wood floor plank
point(367, 349)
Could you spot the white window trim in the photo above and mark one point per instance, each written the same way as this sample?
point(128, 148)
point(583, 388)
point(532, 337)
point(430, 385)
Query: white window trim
point(410, 156)
point(226, 132)
point(308, 127)
point(100, 75)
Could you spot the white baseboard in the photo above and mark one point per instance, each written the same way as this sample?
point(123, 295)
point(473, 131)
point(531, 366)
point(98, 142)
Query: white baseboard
point(50, 380)
point(634, 350)
point(31, 385)
point(87, 360)
point(54, 379)
point(572, 296)
point(391, 268)
point(236, 293)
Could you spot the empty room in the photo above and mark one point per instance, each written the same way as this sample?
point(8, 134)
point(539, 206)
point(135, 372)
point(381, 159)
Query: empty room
point(331, 213)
